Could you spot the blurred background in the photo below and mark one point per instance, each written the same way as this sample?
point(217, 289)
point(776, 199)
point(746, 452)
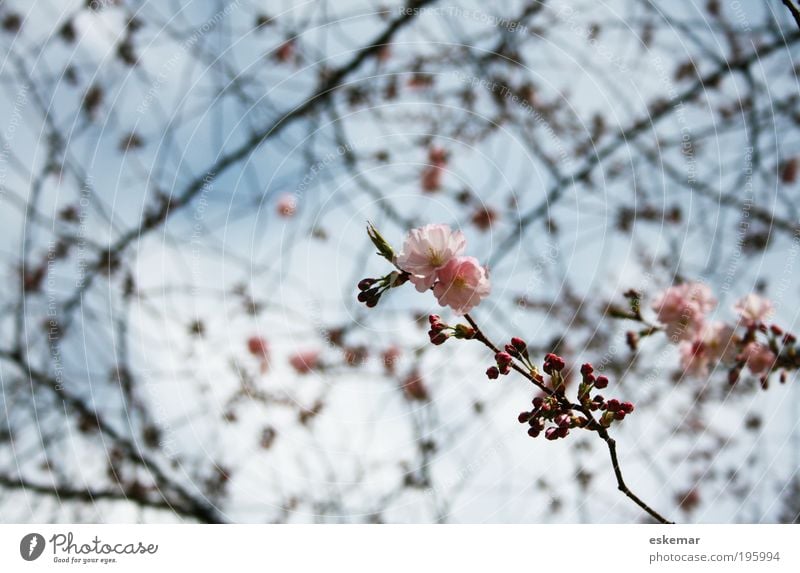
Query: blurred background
point(184, 188)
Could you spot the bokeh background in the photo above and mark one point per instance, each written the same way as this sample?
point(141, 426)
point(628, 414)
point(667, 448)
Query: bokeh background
point(184, 189)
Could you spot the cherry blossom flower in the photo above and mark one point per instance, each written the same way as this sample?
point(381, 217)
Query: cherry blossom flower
point(694, 358)
point(754, 308)
point(428, 249)
point(305, 361)
point(462, 284)
point(286, 205)
point(716, 344)
point(758, 357)
point(682, 309)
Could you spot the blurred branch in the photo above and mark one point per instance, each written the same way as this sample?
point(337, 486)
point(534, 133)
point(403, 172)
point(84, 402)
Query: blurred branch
point(794, 11)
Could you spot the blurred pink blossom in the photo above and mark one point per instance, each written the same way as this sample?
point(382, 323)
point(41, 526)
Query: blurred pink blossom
point(758, 357)
point(716, 343)
point(305, 361)
point(682, 309)
point(754, 308)
point(259, 347)
point(432, 174)
point(286, 205)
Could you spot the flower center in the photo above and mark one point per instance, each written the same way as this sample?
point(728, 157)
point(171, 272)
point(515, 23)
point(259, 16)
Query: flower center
point(435, 258)
point(459, 281)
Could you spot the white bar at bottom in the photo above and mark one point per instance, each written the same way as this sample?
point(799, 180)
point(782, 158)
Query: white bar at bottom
point(406, 548)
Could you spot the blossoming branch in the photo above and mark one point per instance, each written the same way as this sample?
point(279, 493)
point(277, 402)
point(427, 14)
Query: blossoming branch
point(752, 342)
point(432, 259)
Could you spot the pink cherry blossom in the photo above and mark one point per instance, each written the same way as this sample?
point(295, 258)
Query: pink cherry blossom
point(694, 358)
point(428, 249)
point(682, 309)
point(286, 205)
point(305, 361)
point(758, 357)
point(754, 308)
point(716, 344)
point(462, 284)
point(720, 342)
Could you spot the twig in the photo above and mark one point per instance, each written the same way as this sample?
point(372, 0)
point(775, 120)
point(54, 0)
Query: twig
point(794, 10)
point(593, 425)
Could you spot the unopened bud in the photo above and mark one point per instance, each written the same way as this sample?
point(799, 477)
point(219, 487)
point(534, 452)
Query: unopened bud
point(503, 359)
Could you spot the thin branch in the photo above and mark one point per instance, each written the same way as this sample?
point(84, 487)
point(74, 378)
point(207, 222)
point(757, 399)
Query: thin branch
point(593, 425)
point(794, 10)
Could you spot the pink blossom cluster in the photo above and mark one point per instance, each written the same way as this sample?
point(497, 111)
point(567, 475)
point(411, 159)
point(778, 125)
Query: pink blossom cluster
point(683, 310)
point(433, 257)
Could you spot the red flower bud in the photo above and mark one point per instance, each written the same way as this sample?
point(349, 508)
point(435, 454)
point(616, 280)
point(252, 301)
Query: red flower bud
point(632, 340)
point(586, 369)
point(438, 337)
point(503, 359)
point(553, 363)
point(519, 344)
point(492, 373)
point(626, 407)
point(464, 331)
point(601, 382)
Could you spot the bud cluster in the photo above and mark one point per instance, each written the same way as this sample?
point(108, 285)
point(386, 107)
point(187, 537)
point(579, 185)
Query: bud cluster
point(613, 410)
point(551, 415)
point(554, 415)
point(516, 349)
point(371, 289)
point(779, 352)
point(440, 332)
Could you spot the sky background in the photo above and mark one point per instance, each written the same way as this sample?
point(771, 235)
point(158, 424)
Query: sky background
point(207, 78)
